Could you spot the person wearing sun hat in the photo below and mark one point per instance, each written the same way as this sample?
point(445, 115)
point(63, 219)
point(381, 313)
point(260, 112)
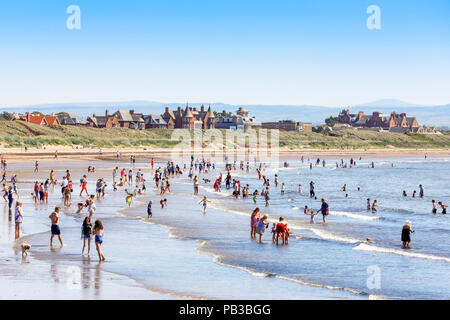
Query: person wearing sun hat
point(406, 238)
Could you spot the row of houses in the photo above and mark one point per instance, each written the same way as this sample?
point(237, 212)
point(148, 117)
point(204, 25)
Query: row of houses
point(377, 121)
point(187, 118)
point(202, 118)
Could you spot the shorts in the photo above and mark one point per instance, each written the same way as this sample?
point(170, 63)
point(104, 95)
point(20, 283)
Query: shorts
point(87, 236)
point(56, 230)
point(260, 230)
point(98, 239)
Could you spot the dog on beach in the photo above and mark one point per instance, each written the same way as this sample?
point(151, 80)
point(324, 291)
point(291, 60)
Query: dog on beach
point(206, 180)
point(25, 247)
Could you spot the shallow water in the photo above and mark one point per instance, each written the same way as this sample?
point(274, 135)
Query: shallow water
point(183, 253)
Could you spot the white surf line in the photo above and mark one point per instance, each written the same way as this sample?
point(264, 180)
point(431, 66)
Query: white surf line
point(354, 216)
point(320, 233)
point(371, 248)
point(217, 259)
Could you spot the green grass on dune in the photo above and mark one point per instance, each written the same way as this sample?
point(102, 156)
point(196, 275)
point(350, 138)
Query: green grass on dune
point(15, 134)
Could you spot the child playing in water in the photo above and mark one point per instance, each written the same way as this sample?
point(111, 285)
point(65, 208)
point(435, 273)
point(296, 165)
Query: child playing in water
point(204, 202)
point(149, 209)
point(129, 198)
point(311, 214)
point(274, 232)
point(163, 203)
point(374, 207)
point(281, 230)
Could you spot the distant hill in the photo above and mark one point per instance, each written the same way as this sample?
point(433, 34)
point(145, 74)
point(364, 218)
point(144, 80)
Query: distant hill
point(429, 115)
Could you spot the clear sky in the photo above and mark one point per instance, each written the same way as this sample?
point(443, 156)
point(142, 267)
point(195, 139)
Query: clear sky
point(235, 51)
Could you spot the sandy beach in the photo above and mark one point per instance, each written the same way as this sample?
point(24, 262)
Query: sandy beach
point(65, 153)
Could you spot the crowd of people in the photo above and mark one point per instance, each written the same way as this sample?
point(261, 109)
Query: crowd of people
point(128, 179)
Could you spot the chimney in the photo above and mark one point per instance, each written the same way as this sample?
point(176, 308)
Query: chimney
point(27, 116)
point(107, 113)
point(202, 108)
point(167, 109)
point(93, 115)
point(131, 111)
point(360, 114)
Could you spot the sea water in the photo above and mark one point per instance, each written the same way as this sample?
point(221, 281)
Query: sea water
point(182, 252)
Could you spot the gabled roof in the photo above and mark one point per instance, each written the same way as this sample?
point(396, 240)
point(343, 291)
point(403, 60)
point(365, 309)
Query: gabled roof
point(410, 121)
point(158, 119)
point(139, 117)
point(123, 115)
point(39, 120)
point(51, 120)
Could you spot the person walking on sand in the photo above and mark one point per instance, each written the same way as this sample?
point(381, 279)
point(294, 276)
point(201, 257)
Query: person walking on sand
point(18, 218)
point(86, 231)
point(98, 232)
point(406, 232)
point(56, 231)
point(204, 202)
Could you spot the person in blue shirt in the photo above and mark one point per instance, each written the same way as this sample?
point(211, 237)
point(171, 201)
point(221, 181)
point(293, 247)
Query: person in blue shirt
point(325, 210)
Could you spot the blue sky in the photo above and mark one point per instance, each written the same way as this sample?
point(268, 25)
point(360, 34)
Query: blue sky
point(239, 52)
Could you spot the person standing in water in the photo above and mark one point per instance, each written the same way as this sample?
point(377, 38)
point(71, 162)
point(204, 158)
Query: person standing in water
point(86, 231)
point(261, 227)
point(421, 192)
point(374, 206)
point(443, 207)
point(56, 231)
point(325, 210)
point(434, 210)
point(98, 232)
point(18, 218)
point(406, 235)
point(254, 219)
point(311, 189)
point(149, 209)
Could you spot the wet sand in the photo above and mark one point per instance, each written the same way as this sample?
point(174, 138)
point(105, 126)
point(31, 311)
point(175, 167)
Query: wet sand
point(65, 153)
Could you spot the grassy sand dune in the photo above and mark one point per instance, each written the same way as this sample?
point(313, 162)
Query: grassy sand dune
point(15, 134)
